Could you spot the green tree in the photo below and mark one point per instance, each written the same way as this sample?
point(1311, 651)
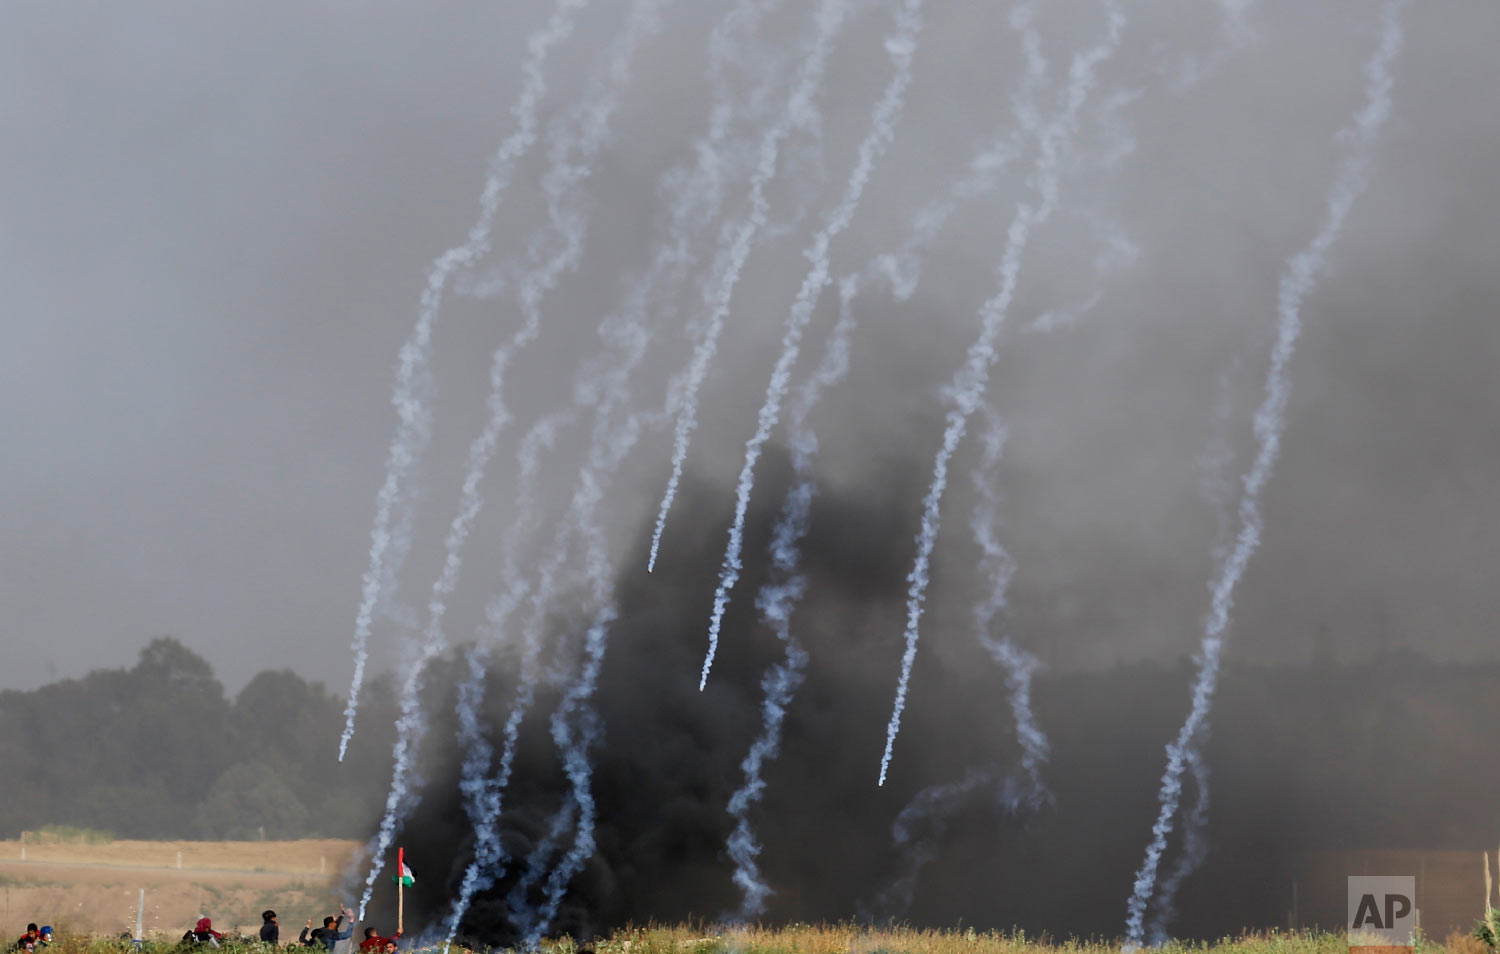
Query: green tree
point(251, 801)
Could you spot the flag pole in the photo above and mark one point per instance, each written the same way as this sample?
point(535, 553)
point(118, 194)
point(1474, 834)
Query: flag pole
point(400, 888)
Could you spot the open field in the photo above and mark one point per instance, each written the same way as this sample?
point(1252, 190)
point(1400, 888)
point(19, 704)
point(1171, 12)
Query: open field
point(846, 939)
point(854, 939)
point(92, 890)
point(309, 857)
point(95, 888)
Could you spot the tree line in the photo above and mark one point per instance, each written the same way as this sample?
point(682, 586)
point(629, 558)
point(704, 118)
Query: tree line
point(159, 750)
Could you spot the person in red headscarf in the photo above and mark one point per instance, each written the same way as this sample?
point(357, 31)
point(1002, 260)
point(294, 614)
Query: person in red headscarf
point(203, 933)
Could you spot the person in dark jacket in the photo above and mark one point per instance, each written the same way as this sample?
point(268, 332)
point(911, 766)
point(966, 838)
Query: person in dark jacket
point(329, 934)
point(270, 930)
point(28, 941)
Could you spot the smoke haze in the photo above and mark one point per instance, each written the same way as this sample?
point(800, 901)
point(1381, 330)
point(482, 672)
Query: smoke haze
point(215, 242)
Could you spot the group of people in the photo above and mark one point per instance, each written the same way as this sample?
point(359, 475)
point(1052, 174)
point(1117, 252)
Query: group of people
point(34, 937)
point(326, 937)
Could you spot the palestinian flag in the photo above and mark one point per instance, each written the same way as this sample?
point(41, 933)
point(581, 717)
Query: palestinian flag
point(403, 875)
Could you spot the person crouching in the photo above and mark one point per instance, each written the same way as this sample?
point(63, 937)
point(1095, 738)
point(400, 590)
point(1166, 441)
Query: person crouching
point(203, 933)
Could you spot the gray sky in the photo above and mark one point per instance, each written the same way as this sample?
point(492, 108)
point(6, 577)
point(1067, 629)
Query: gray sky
point(217, 218)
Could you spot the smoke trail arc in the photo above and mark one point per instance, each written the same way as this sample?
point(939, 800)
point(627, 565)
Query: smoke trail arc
point(414, 430)
point(778, 598)
point(902, 269)
point(998, 567)
point(572, 156)
point(901, 46)
point(482, 801)
point(1297, 280)
point(917, 832)
point(1194, 847)
point(972, 378)
point(777, 601)
point(610, 443)
point(697, 194)
point(1216, 488)
point(574, 724)
point(801, 110)
point(486, 793)
point(521, 910)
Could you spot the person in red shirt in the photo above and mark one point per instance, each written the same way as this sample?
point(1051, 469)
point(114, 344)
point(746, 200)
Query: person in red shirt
point(374, 943)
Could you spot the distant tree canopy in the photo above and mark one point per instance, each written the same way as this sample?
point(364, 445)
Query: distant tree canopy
point(158, 751)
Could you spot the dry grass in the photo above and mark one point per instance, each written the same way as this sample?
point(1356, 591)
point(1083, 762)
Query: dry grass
point(847, 939)
point(93, 889)
point(310, 857)
point(850, 939)
point(1460, 942)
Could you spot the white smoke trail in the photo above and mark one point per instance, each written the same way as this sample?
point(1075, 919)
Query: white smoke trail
point(696, 196)
point(572, 155)
point(1236, 33)
point(1117, 253)
point(801, 110)
point(482, 800)
point(1216, 487)
point(969, 383)
point(574, 724)
point(902, 269)
point(481, 803)
point(412, 375)
point(1297, 280)
point(901, 47)
point(611, 444)
point(917, 832)
point(575, 729)
point(776, 603)
point(778, 599)
point(1194, 847)
point(1215, 469)
point(780, 684)
point(521, 911)
point(485, 794)
point(998, 567)
point(496, 785)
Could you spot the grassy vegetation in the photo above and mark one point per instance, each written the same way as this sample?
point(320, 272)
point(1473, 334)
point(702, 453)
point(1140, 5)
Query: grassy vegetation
point(849, 939)
point(67, 835)
point(844, 939)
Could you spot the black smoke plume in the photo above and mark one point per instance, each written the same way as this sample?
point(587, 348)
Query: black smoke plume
point(1373, 754)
